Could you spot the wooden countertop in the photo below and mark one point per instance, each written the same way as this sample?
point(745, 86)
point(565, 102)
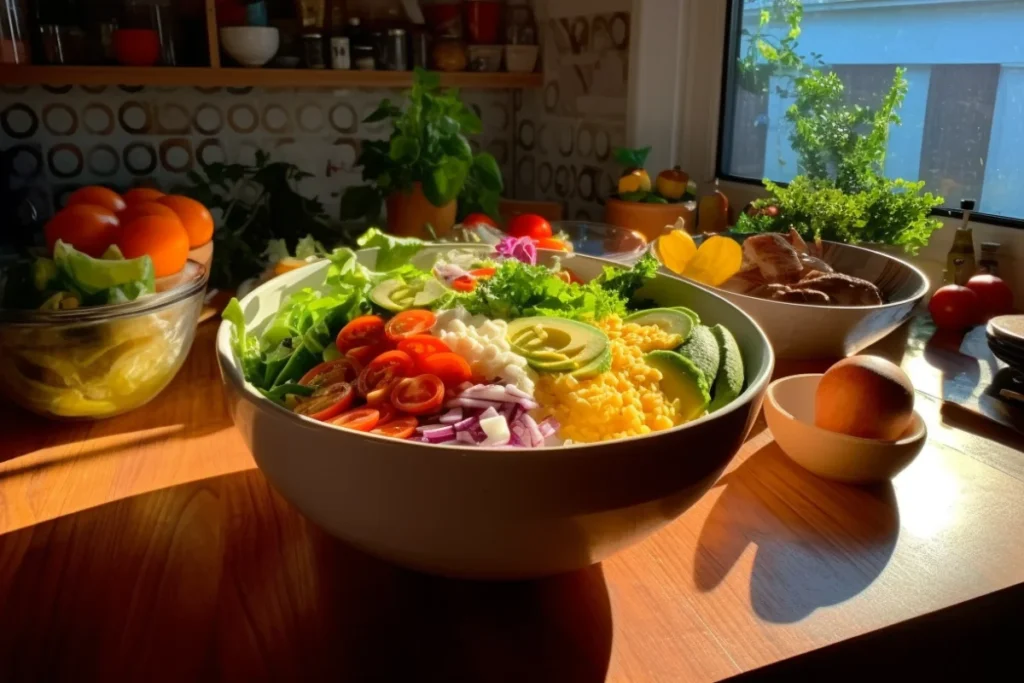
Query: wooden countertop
point(147, 547)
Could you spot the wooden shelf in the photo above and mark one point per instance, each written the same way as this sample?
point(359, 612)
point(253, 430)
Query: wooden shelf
point(264, 78)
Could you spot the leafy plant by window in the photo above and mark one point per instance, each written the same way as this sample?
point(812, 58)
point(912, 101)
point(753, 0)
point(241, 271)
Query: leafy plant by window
point(841, 193)
point(258, 204)
point(428, 145)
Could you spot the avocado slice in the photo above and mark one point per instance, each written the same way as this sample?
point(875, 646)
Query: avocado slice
point(602, 363)
point(556, 344)
point(690, 313)
point(702, 349)
point(396, 295)
point(681, 379)
point(668, 319)
point(730, 379)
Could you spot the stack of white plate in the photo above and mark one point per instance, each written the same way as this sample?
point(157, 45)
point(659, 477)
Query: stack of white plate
point(1006, 339)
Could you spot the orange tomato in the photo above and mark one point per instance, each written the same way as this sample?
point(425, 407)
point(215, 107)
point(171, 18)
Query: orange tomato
point(90, 229)
point(194, 216)
point(141, 195)
point(162, 238)
point(97, 195)
point(140, 209)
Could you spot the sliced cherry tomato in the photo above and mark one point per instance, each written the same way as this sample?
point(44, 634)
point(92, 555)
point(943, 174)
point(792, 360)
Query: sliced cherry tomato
point(360, 419)
point(416, 321)
point(366, 330)
point(529, 225)
point(384, 369)
point(419, 346)
point(364, 354)
point(464, 284)
point(327, 401)
point(402, 428)
point(387, 413)
point(418, 395)
point(552, 243)
point(381, 395)
point(483, 273)
point(476, 219)
point(332, 372)
point(450, 367)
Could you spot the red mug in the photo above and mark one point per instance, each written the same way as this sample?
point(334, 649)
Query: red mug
point(483, 21)
point(137, 46)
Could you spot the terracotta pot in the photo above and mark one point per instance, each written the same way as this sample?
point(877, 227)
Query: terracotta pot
point(410, 212)
point(649, 219)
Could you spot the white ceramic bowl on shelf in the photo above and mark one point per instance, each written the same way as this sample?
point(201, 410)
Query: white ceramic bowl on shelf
point(789, 412)
point(251, 46)
point(805, 331)
point(493, 513)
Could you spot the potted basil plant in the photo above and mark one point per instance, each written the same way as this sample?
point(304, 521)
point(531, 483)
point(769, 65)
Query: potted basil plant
point(426, 167)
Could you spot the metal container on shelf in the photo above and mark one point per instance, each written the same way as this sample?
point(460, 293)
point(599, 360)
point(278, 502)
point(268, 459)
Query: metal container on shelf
point(313, 50)
point(394, 50)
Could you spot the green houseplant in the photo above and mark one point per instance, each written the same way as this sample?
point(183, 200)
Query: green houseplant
point(841, 192)
point(426, 165)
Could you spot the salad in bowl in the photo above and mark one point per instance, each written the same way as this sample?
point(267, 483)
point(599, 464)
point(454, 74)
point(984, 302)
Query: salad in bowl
point(493, 412)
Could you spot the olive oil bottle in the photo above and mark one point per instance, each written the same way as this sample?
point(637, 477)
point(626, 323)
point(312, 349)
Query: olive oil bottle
point(960, 263)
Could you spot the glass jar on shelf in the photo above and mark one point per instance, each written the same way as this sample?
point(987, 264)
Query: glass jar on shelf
point(143, 16)
point(60, 33)
point(14, 43)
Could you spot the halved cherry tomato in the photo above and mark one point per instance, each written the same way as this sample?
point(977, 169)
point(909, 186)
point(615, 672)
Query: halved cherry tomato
point(419, 346)
point(360, 419)
point(366, 330)
point(402, 428)
point(364, 354)
point(450, 367)
point(332, 372)
point(387, 413)
point(464, 284)
point(483, 273)
point(552, 243)
point(380, 396)
point(418, 395)
point(529, 225)
point(327, 401)
point(383, 369)
point(416, 321)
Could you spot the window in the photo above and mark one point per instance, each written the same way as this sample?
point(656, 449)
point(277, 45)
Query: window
point(962, 126)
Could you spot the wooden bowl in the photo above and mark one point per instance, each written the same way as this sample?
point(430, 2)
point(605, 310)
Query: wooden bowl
point(789, 411)
point(650, 220)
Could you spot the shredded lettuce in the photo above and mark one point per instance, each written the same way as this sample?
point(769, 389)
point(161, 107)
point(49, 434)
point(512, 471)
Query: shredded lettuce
point(244, 344)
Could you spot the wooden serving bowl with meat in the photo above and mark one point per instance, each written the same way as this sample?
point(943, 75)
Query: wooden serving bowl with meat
point(824, 299)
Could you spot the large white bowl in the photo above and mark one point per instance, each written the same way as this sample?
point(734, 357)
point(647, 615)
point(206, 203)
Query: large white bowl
point(250, 45)
point(493, 513)
point(804, 331)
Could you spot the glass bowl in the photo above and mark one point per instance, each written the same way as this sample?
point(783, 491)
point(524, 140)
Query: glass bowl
point(603, 240)
point(100, 361)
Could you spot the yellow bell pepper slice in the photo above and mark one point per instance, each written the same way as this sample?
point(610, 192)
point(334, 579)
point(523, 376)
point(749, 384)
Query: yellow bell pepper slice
point(676, 249)
point(717, 260)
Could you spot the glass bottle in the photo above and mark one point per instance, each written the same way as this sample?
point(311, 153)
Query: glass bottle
point(960, 264)
point(989, 262)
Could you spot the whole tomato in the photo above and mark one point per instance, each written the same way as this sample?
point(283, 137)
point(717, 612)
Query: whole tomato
point(475, 219)
point(529, 225)
point(995, 296)
point(954, 307)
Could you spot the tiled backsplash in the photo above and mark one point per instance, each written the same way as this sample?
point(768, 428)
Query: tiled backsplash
point(120, 136)
point(567, 131)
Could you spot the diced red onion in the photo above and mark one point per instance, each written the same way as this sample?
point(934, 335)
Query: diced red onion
point(452, 416)
point(490, 412)
point(465, 437)
point(548, 427)
point(515, 392)
point(439, 434)
point(472, 403)
point(463, 425)
point(487, 392)
point(536, 438)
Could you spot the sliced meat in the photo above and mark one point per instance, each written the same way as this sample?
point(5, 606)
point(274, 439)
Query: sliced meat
point(797, 241)
point(843, 290)
point(792, 295)
point(774, 256)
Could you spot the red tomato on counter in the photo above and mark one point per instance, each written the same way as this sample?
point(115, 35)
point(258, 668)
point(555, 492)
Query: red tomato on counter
point(477, 219)
point(954, 307)
point(995, 296)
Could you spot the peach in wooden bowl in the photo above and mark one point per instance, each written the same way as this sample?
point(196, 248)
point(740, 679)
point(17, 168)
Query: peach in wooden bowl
point(493, 513)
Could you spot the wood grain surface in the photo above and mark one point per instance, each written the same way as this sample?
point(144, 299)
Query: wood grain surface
point(147, 547)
